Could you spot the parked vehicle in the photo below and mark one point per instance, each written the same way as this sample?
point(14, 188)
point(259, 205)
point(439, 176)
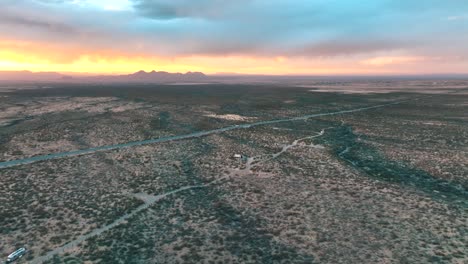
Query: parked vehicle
point(16, 255)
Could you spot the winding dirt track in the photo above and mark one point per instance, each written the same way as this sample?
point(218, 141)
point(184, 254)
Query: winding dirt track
point(18, 162)
point(150, 199)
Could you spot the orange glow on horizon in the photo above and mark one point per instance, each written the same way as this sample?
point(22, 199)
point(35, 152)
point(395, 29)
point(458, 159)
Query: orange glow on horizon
point(43, 57)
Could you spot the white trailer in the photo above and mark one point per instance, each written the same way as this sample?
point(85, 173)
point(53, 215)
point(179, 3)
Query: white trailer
point(16, 255)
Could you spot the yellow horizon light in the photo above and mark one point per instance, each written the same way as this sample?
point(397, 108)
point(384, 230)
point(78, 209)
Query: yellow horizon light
point(45, 57)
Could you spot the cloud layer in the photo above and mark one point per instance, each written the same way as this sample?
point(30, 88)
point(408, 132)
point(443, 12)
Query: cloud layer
point(334, 30)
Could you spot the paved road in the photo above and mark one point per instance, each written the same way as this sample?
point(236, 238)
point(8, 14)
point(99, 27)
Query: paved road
point(13, 163)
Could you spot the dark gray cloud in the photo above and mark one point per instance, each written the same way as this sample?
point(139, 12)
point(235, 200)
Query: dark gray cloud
point(159, 9)
point(11, 19)
point(299, 28)
point(350, 47)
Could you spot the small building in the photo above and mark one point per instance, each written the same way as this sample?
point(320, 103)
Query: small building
point(237, 156)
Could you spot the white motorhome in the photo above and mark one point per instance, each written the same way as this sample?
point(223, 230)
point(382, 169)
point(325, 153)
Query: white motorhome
point(16, 255)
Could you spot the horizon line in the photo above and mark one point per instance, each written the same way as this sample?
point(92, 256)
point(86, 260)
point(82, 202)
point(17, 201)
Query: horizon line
point(240, 74)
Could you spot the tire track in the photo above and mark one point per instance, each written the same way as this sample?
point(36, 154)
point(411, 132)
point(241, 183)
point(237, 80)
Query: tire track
point(149, 200)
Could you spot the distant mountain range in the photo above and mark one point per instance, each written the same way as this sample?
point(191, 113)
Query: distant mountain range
point(140, 76)
point(198, 77)
point(152, 77)
point(30, 76)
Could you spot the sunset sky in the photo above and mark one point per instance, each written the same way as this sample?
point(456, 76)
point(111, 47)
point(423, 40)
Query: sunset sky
point(236, 36)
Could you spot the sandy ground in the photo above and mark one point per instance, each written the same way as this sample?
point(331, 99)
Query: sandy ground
point(231, 117)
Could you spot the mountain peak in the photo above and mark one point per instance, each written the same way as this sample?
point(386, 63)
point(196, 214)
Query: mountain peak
point(30, 76)
point(139, 76)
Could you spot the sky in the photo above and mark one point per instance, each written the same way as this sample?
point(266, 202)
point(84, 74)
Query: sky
point(280, 37)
